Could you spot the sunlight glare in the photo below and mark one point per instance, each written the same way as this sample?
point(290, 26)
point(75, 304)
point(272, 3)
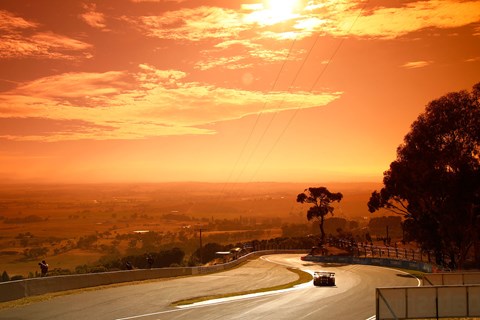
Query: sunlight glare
point(281, 7)
point(275, 11)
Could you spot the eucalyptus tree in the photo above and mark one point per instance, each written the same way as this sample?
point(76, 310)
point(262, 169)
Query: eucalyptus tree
point(435, 181)
point(321, 200)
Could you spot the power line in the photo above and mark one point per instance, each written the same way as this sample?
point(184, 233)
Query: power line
point(310, 90)
point(261, 112)
point(281, 102)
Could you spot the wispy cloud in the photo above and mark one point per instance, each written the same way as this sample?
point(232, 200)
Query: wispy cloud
point(477, 31)
point(241, 54)
point(9, 22)
point(75, 85)
point(15, 42)
point(94, 18)
point(162, 102)
point(416, 64)
point(232, 63)
point(390, 23)
point(193, 24)
point(255, 25)
point(474, 59)
point(338, 18)
point(139, 1)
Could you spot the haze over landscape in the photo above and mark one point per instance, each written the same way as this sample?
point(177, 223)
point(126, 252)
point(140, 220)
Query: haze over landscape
point(222, 91)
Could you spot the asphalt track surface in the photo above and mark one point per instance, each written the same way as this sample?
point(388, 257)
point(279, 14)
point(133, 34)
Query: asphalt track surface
point(353, 297)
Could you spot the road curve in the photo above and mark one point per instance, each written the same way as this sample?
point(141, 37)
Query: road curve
point(352, 298)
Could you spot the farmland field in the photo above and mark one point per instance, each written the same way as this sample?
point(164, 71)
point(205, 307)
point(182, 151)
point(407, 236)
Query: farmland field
point(72, 225)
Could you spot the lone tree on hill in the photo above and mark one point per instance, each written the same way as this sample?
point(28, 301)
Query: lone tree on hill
point(321, 199)
point(435, 181)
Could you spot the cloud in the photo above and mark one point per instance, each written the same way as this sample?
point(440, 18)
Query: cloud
point(338, 18)
point(93, 18)
point(192, 24)
point(139, 1)
point(388, 23)
point(41, 126)
point(75, 85)
point(9, 22)
point(201, 23)
point(416, 64)
point(477, 32)
point(232, 63)
point(161, 102)
point(474, 59)
point(15, 42)
point(240, 54)
point(251, 28)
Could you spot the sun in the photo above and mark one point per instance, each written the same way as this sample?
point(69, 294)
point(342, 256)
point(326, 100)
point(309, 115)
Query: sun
point(281, 10)
point(275, 11)
point(281, 7)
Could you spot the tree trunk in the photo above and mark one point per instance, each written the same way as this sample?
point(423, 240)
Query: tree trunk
point(476, 241)
point(322, 232)
point(476, 249)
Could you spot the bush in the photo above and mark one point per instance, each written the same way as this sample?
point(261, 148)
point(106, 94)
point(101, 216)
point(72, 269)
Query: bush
point(5, 277)
point(17, 277)
point(59, 272)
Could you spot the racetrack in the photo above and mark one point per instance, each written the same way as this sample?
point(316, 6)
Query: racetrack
point(353, 297)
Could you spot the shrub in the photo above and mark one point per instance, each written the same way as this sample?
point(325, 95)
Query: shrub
point(5, 277)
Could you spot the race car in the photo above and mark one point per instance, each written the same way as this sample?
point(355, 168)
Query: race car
point(323, 278)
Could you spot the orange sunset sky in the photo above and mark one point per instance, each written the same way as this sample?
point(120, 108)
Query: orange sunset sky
point(222, 91)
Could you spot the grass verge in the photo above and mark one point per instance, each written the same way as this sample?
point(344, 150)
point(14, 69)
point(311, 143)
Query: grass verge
point(303, 277)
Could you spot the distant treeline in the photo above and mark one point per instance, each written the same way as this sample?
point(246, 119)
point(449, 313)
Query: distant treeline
point(335, 226)
point(27, 219)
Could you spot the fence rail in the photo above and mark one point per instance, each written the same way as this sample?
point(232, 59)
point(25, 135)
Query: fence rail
point(360, 249)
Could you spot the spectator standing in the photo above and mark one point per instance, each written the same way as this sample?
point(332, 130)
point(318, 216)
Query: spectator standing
point(43, 268)
point(149, 261)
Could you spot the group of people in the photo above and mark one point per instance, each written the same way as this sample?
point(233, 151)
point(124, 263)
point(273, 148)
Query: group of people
point(150, 261)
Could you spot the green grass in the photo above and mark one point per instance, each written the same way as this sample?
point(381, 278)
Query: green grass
point(417, 274)
point(303, 277)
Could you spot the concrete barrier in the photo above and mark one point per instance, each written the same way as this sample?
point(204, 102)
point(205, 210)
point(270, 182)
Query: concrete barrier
point(13, 290)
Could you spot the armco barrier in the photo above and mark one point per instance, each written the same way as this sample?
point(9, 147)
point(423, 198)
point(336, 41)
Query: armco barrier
point(13, 290)
point(411, 265)
point(453, 278)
